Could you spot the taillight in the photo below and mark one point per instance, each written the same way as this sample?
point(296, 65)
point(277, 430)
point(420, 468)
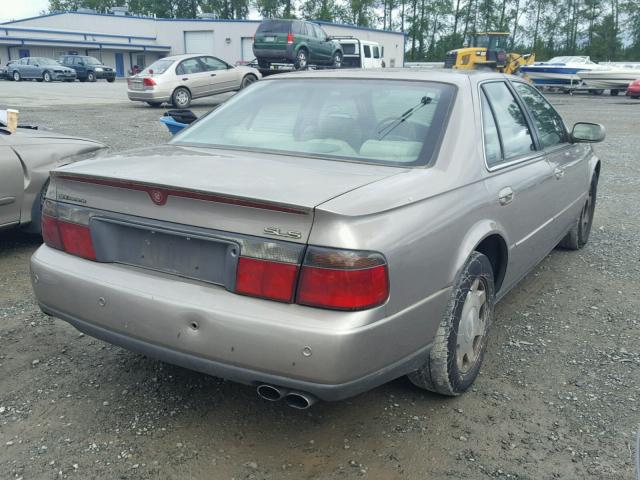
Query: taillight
point(342, 279)
point(67, 228)
point(266, 279)
point(148, 82)
point(290, 38)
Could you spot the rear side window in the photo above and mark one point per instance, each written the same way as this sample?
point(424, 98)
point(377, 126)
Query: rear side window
point(212, 63)
point(512, 124)
point(298, 28)
point(549, 124)
point(274, 26)
point(192, 65)
point(376, 52)
point(492, 148)
point(348, 48)
point(367, 51)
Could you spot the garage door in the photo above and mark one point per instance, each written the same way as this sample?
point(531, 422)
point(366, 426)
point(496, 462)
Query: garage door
point(247, 49)
point(200, 41)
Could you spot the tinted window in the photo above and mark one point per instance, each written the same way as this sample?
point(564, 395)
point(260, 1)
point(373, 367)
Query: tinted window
point(338, 119)
point(298, 28)
point(78, 61)
point(192, 65)
point(274, 26)
point(514, 130)
point(549, 124)
point(348, 48)
point(367, 51)
point(492, 148)
point(376, 52)
point(212, 63)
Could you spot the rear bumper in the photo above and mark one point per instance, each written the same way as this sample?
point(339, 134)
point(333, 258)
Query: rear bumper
point(251, 341)
point(276, 55)
point(147, 96)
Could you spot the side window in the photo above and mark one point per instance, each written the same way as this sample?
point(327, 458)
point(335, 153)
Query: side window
point(78, 61)
point(191, 65)
point(322, 35)
point(297, 28)
point(549, 124)
point(212, 63)
point(492, 147)
point(512, 124)
point(376, 52)
point(367, 51)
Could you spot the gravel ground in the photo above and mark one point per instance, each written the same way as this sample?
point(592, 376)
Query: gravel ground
point(558, 396)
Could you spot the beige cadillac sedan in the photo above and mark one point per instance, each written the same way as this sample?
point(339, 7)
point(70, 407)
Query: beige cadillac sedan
point(181, 78)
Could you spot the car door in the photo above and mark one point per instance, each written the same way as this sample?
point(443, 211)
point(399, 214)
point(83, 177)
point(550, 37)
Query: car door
point(520, 182)
point(222, 77)
point(569, 161)
point(326, 46)
point(11, 186)
point(192, 74)
point(35, 68)
point(79, 65)
point(24, 68)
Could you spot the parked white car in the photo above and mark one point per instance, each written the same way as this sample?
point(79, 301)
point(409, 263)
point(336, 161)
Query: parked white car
point(360, 53)
point(182, 78)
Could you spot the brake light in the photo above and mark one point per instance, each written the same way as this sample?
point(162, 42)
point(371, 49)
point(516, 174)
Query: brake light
point(266, 279)
point(149, 82)
point(290, 38)
point(67, 229)
point(342, 279)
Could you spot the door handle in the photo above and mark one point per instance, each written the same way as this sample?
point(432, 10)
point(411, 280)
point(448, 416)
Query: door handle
point(505, 196)
point(559, 173)
point(213, 74)
point(185, 79)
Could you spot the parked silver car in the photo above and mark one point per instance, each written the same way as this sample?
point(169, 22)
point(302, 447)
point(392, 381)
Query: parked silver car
point(41, 69)
point(182, 78)
point(26, 157)
point(322, 233)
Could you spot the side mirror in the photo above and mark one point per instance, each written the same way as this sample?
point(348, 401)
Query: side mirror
point(584, 132)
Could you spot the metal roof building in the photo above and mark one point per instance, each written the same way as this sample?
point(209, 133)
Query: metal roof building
point(122, 40)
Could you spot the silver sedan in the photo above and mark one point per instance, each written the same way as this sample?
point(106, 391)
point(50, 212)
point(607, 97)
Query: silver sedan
point(26, 157)
point(322, 233)
point(181, 78)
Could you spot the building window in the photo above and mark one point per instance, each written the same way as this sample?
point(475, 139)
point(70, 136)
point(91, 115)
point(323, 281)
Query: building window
point(141, 61)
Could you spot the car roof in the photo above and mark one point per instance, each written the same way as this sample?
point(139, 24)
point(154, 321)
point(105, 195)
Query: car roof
point(457, 77)
point(185, 55)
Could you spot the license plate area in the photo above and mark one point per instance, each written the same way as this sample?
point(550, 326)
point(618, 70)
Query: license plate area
point(185, 254)
point(269, 39)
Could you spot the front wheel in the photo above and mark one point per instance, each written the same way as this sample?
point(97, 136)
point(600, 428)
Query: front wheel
point(247, 80)
point(181, 98)
point(578, 236)
point(16, 76)
point(337, 60)
point(461, 339)
point(46, 76)
point(91, 77)
point(302, 60)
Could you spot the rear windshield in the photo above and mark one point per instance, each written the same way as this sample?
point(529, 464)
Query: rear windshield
point(274, 26)
point(159, 66)
point(387, 122)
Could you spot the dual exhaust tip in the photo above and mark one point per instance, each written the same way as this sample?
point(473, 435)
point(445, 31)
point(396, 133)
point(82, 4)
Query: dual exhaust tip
point(297, 400)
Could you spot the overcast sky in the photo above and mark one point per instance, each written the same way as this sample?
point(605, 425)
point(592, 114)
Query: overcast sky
point(15, 9)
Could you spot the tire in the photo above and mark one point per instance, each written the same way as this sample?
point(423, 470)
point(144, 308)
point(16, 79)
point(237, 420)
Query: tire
point(35, 226)
point(91, 77)
point(578, 236)
point(470, 310)
point(16, 76)
point(614, 93)
point(336, 62)
point(247, 80)
point(181, 98)
point(154, 104)
point(46, 76)
point(302, 59)
point(111, 80)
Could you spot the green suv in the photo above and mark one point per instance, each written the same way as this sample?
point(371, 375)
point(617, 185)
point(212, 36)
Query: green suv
point(297, 42)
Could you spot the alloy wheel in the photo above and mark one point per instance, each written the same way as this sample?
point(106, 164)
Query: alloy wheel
point(472, 327)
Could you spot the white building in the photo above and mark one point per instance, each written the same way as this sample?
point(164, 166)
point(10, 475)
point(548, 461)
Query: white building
point(122, 40)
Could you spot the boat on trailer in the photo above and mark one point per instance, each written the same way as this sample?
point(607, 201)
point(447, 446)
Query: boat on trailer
point(616, 78)
point(560, 72)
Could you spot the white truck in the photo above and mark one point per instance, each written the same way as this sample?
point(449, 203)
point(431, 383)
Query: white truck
point(358, 53)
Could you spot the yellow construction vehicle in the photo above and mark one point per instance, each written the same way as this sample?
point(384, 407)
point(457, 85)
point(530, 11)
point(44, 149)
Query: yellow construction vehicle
point(488, 51)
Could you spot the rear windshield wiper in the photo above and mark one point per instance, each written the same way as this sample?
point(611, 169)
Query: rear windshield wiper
point(389, 128)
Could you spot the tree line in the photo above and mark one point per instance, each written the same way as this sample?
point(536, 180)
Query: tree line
point(606, 30)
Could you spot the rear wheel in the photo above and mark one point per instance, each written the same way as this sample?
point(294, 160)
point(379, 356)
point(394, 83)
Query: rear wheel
point(247, 80)
point(302, 59)
point(46, 76)
point(91, 77)
point(16, 76)
point(337, 60)
point(578, 236)
point(461, 340)
point(181, 98)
